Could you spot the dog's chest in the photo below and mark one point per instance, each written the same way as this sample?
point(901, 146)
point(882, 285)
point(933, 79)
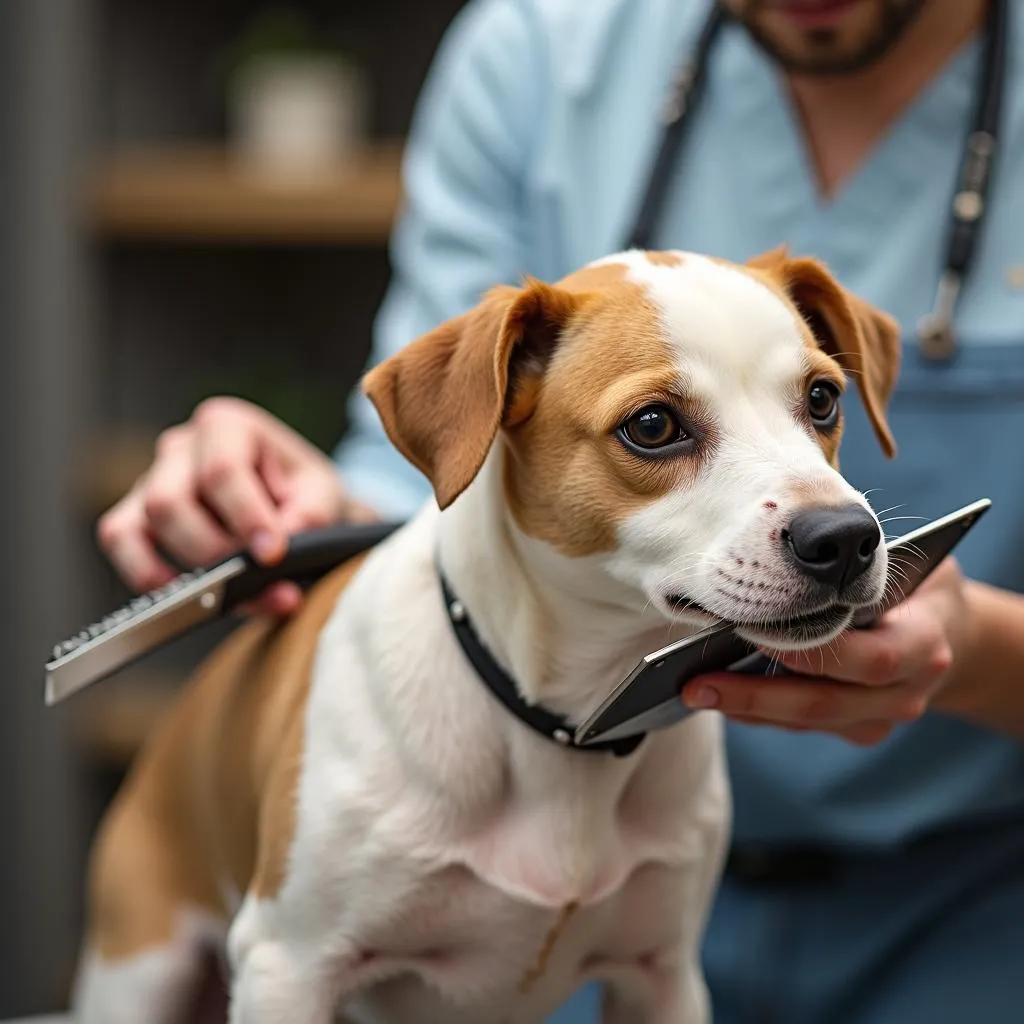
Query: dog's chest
point(465, 950)
point(574, 845)
point(504, 920)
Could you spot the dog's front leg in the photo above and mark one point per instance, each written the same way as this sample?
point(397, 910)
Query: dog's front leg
point(273, 985)
point(281, 977)
point(667, 991)
point(681, 996)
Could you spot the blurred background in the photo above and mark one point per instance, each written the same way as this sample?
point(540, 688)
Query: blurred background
point(195, 198)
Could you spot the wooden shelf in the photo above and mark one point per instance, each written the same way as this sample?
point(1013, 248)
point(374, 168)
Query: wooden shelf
point(204, 195)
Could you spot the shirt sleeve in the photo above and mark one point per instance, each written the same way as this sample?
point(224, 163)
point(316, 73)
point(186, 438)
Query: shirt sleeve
point(460, 231)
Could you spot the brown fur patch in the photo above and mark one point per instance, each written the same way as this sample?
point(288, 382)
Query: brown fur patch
point(212, 794)
point(664, 259)
point(772, 262)
point(598, 278)
point(442, 399)
point(770, 270)
point(569, 481)
point(863, 341)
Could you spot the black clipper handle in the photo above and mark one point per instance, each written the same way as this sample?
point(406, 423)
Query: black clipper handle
point(310, 556)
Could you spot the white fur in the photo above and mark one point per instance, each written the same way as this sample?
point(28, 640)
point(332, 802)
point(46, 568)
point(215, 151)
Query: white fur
point(158, 981)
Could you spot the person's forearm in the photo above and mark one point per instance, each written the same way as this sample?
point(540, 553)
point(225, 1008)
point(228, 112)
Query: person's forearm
point(988, 683)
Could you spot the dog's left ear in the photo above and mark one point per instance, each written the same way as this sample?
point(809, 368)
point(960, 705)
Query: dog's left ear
point(864, 340)
point(443, 398)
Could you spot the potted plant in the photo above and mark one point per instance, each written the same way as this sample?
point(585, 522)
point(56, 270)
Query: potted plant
point(294, 103)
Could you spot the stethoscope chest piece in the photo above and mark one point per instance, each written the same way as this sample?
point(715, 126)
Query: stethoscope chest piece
point(938, 342)
point(935, 332)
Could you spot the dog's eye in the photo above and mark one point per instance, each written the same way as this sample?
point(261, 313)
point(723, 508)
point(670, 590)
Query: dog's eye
point(654, 426)
point(823, 403)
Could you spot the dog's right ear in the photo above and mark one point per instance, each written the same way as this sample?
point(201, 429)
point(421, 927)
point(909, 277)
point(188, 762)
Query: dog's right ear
point(864, 340)
point(443, 398)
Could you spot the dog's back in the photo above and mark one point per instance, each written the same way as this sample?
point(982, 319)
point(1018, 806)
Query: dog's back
point(182, 840)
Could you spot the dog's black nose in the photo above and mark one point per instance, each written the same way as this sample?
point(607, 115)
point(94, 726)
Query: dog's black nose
point(833, 545)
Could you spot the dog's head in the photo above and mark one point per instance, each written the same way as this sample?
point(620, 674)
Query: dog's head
point(675, 416)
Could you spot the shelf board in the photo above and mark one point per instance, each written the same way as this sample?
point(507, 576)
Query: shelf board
point(206, 195)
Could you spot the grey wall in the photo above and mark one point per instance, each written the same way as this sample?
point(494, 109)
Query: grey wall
point(40, 63)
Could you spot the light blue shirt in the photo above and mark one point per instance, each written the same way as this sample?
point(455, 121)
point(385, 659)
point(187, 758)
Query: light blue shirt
point(531, 146)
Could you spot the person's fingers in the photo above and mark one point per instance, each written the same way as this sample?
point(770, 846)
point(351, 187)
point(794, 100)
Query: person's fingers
point(229, 483)
point(124, 539)
point(903, 645)
point(279, 601)
point(215, 485)
point(264, 480)
point(175, 518)
point(804, 701)
point(871, 657)
point(282, 599)
point(864, 734)
point(867, 734)
point(751, 720)
point(277, 467)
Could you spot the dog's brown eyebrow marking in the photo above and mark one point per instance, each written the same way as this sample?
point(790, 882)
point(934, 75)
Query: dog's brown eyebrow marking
point(617, 332)
point(664, 259)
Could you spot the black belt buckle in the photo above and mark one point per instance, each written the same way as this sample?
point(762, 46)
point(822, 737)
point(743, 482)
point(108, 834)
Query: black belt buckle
point(769, 867)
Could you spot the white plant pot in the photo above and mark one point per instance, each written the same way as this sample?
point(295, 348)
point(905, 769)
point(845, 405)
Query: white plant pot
point(297, 114)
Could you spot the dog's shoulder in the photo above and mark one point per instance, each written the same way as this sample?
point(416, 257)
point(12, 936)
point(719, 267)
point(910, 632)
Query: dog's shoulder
point(264, 675)
point(225, 762)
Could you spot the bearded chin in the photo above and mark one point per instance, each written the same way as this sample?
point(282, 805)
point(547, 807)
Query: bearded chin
point(821, 52)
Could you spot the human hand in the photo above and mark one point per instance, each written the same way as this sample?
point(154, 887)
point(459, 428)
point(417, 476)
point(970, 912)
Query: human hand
point(230, 477)
point(864, 683)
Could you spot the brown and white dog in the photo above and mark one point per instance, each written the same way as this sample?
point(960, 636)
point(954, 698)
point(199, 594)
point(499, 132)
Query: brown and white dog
point(340, 803)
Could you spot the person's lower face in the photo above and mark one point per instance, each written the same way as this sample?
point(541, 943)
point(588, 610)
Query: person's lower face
point(825, 37)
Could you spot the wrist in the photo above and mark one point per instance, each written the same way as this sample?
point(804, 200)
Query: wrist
point(955, 694)
point(984, 685)
point(961, 695)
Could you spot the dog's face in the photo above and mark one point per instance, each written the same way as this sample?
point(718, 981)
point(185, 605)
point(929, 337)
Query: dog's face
point(675, 418)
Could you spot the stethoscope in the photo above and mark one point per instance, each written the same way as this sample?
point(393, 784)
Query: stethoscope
point(935, 330)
